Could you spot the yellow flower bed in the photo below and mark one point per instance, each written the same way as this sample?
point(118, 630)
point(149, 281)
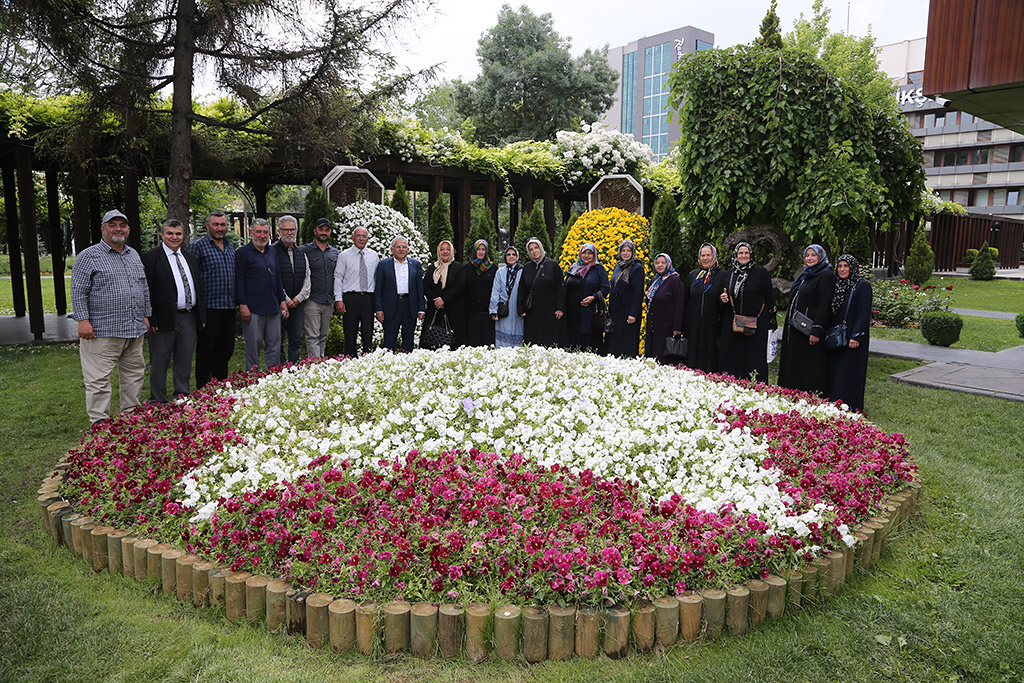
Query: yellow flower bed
point(606, 228)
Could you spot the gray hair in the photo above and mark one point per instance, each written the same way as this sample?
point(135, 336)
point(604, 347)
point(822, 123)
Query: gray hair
point(259, 221)
point(215, 212)
point(287, 219)
point(400, 237)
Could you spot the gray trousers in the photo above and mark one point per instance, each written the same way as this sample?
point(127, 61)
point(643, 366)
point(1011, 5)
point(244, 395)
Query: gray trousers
point(179, 343)
point(262, 332)
point(318, 326)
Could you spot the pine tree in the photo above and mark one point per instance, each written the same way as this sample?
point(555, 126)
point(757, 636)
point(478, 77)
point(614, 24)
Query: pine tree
point(440, 227)
point(481, 229)
point(400, 200)
point(315, 207)
point(983, 268)
point(921, 259)
point(666, 233)
point(533, 225)
point(771, 36)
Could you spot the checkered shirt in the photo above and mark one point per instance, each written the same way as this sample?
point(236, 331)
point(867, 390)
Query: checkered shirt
point(217, 271)
point(109, 289)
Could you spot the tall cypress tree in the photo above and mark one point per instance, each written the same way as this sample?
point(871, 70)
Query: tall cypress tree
point(440, 227)
point(481, 229)
point(666, 233)
point(400, 201)
point(315, 207)
point(771, 36)
point(533, 225)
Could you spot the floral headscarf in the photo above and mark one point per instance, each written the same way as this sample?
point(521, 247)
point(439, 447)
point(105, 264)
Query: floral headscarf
point(660, 279)
point(481, 264)
point(844, 285)
point(740, 271)
point(623, 266)
point(707, 277)
point(513, 271)
point(580, 268)
point(441, 267)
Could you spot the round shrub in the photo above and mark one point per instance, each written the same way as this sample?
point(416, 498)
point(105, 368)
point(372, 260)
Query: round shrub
point(941, 328)
point(1020, 323)
point(983, 268)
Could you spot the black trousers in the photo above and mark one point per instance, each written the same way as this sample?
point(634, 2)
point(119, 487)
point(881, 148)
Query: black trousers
point(214, 345)
point(358, 317)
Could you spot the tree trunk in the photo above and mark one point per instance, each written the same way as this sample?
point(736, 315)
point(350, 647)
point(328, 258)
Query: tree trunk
point(179, 174)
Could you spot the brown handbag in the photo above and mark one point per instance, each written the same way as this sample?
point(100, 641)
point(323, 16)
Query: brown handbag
point(744, 324)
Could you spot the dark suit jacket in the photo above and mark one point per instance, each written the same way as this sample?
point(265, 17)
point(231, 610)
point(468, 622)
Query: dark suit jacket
point(385, 291)
point(163, 295)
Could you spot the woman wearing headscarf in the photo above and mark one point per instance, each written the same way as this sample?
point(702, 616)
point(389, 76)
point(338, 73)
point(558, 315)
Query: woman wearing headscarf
point(625, 303)
point(666, 307)
point(704, 310)
point(851, 304)
point(444, 284)
point(479, 282)
point(748, 293)
point(802, 360)
point(508, 329)
point(586, 281)
point(539, 295)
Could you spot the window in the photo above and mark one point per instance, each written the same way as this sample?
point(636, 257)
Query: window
point(967, 118)
point(1016, 154)
point(628, 124)
point(999, 197)
point(960, 197)
point(978, 197)
point(981, 156)
point(1000, 154)
point(979, 179)
point(984, 135)
point(914, 77)
point(929, 159)
point(702, 45)
point(929, 121)
point(946, 195)
point(940, 120)
point(657, 63)
point(1013, 197)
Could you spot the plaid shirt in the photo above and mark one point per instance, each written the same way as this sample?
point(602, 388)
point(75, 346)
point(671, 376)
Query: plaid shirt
point(216, 270)
point(109, 289)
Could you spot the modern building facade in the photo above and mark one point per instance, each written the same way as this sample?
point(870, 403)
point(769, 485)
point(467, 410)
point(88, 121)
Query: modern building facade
point(641, 103)
point(967, 160)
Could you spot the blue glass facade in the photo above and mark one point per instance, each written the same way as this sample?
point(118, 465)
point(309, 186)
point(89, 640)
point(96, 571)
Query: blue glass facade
point(628, 124)
point(657, 63)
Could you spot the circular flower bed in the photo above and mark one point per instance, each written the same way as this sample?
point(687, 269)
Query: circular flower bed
point(597, 480)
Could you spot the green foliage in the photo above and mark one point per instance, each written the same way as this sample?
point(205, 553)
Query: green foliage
point(316, 206)
point(530, 85)
point(941, 328)
point(335, 345)
point(858, 243)
point(666, 233)
point(400, 200)
point(563, 232)
point(533, 225)
point(772, 137)
point(1019, 321)
point(969, 256)
point(931, 204)
point(921, 260)
point(770, 37)
point(983, 268)
point(900, 303)
point(435, 107)
point(482, 228)
point(440, 227)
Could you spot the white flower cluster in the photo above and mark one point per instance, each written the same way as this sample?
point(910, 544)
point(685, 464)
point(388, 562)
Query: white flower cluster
point(411, 141)
point(633, 419)
point(597, 151)
point(384, 224)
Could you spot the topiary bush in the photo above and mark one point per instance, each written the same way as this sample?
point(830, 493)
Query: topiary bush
point(921, 260)
point(969, 256)
point(941, 328)
point(1020, 323)
point(983, 268)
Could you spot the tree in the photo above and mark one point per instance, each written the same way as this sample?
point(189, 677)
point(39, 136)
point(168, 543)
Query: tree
point(770, 37)
point(562, 234)
point(666, 233)
point(773, 138)
point(400, 200)
point(317, 206)
point(533, 225)
point(920, 260)
point(982, 268)
point(435, 107)
point(852, 59)
point(440, 227)
point(530, 86)
point(295, 67)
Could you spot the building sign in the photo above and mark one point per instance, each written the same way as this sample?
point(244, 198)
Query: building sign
point(910, 94)
point(678, 48)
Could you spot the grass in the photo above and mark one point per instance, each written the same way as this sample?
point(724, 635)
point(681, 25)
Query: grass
point(980, 334)
point(49, 302)
point(943, 605)
point(994, 295)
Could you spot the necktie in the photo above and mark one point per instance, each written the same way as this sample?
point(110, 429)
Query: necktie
point(364, 277)
point(184, 280)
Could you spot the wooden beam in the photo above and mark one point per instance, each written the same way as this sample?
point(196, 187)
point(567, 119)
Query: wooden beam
point(95, 209)
point(30, 242)
point(526, 191)
point(513, 218)
point(465, 214)
point(549, 212)
point(436, 187)
point(566, 206)
point(14, 242)
point(259, 191)
point(491, 197)
point(56, 241)
point(80, 204)
point(131, 208)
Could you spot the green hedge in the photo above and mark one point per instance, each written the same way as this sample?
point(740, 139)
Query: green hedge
point(941, 328)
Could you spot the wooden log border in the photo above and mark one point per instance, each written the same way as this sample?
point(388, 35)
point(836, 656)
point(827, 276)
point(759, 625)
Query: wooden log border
point(477, 631)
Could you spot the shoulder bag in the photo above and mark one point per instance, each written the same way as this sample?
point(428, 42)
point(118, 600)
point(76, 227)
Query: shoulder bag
point(528, 304)
point(837, 336)
point(744, 324)
point(502, 309)
point(601, 322)
point(439, 333)
point(801, 322)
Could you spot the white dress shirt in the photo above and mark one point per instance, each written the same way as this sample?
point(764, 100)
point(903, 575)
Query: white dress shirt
point(402, 276)
point(176, 273)
point(346, 274)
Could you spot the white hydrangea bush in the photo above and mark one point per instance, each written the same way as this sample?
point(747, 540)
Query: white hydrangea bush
point(595, 151)
point(384, 224)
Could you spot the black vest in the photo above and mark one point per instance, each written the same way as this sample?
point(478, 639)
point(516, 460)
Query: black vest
point(292, 276)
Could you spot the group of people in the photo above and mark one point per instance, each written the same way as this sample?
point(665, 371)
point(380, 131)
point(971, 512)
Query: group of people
point(185, 300)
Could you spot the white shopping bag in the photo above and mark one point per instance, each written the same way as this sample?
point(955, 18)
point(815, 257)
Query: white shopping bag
point(774, 337)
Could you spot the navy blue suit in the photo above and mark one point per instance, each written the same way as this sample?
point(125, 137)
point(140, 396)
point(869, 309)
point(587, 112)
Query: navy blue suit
point(399, 313)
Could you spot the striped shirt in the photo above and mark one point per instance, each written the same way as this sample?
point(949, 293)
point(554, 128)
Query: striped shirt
point(109, 289)
point(216, 271)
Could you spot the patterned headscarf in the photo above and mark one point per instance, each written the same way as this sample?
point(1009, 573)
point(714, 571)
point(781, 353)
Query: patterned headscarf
point(580, 268)
point(740, 271)
point(441, 267)
point(481, 264)
point(817, 269)
point(844, 285)
point(623, 266)
point(513, 271)
point(660, 279)
point(707, 277)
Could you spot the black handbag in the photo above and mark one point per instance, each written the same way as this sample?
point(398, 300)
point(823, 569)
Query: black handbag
point(675, 350)
point(439, 333)
point(801, 322)
point(601, 322)
point(502, 309)
point(528, 304)
point(837, 336)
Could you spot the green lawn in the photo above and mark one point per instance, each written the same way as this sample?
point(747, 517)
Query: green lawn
point(944, 605)
point(49, 305)
point(994, 295)
point(980, 334)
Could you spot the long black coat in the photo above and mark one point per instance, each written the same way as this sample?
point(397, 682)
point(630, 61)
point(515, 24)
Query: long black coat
point(704, 320)
point(665, 314)
point(540, 285)
point(848, 368)
point(626, 299)
point(740, 355)
point(453, 295)
point(479, 326)
point(801, 365)
point(579, 320)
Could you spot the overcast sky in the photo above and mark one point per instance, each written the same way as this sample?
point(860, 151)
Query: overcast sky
point(449, 34)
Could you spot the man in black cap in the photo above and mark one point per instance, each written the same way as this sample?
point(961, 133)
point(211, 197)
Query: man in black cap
point(319, 308)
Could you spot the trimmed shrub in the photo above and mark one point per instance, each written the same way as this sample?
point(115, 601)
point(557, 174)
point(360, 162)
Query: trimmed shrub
point(533, 225)
point(1020, 323)
point(921, 260)
point(941, 328)
point(400, 200)
point(666, 233)
point(983, 268)
point(315, 207)
point(482, 228)
point(969, 256)
point(440, 228)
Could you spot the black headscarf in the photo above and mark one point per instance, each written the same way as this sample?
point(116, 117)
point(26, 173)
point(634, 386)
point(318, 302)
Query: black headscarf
point(740, 271)
point(844, 285)
point(512, 271)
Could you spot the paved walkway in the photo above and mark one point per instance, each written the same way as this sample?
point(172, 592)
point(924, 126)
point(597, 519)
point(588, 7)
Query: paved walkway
point(59, 329)
point(1001, 273)
point(985, 314)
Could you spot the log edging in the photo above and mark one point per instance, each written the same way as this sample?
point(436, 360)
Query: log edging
point(477, 631)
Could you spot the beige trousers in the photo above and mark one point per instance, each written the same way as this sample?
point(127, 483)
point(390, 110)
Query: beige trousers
point(99, 356)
